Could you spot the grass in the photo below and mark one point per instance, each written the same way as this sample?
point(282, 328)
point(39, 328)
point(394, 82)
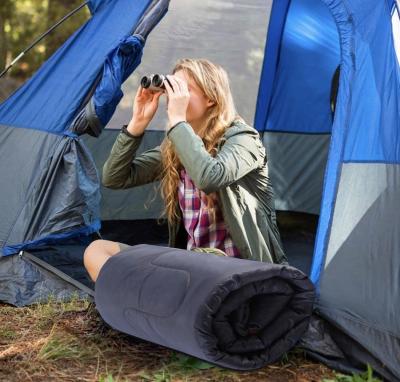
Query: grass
point(367, 376)
point(68, 341)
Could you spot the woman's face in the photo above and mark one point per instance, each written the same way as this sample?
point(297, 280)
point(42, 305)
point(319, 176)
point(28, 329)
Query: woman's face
point(198, 102)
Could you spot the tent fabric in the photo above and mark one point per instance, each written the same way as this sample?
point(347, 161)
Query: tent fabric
point(235, 313)
point(273, 47)
point(396, 28)
point(94, 5)
point(31, 284)
point(122, 61)
point(301, 55)
point(136, 203)
point(355, 258)
point(304, 64)
point(56, 194)
point(326, 342)
point(297, 181)
point(59, 197)
point(363, 249)
point(356, 253)
point(118, 66)
point(361, 130)
point(237, 29)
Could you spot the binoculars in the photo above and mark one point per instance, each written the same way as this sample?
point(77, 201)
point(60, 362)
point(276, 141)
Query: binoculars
point(154, 82)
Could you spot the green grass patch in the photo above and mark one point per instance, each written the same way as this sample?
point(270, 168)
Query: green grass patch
point(367, 376)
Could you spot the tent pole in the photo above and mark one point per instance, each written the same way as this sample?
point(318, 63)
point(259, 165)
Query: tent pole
point(41, 37)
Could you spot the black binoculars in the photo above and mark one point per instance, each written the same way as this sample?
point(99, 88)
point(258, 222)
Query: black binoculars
point(154, 82)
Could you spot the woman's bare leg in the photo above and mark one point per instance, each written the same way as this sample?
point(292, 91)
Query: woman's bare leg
point(97, 253)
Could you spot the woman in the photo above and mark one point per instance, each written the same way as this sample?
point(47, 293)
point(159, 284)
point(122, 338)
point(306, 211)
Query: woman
point(212, 169)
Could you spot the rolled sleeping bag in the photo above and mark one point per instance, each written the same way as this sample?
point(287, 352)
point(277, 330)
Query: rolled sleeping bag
point(235, 313)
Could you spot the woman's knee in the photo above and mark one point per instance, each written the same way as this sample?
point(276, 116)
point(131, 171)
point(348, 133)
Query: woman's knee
point(101, 246)
point(96, 254)
point(90, 250)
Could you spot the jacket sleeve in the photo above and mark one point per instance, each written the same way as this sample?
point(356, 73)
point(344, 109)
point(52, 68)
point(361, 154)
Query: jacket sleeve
point(122, 170)
point(240, 154)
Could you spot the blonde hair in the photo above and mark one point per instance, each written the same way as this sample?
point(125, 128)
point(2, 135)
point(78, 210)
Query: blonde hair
point(213, 80)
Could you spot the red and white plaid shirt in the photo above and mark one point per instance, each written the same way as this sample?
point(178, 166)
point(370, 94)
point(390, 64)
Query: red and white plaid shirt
point(203, 230)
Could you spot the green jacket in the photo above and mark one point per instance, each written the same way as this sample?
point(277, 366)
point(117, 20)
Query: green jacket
point(238, 173)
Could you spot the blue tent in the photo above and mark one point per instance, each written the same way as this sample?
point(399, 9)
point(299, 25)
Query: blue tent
point(328, 108)
point(356, 259)
point(45, 114)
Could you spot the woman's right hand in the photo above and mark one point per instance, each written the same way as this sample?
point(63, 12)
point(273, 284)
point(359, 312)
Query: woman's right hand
point(144, 107)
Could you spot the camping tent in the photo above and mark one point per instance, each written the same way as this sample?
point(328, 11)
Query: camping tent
point(342, 167)
point(356, 261)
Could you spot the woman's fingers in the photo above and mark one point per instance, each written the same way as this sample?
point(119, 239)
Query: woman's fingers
point(147, 95)
point(183, 87)
point(174, 83)
point(139, 92)
point(146, 92)
point(168, 87)
point(177, 84)
point(156, 96)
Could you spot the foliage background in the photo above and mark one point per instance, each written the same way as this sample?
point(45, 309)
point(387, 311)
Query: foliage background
point(21, 22)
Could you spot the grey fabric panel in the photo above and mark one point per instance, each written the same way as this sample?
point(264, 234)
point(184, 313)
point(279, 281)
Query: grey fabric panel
point(364, 344)
point(297, 185)
point(126, 204)
point(64, 195)
point(230, 33)
point(324, 342)
point(23, 283)
point(235, 313)
point(360, 284)
point(24, 155)
point(296, 165)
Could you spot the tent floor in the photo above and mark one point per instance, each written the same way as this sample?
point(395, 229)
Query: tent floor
point(297, 232)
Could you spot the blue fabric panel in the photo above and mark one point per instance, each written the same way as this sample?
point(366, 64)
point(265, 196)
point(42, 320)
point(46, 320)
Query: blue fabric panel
point(374, 131)
point(94, 5)
point(332, 174)
point(391, 3)
point(309, 56)
point(53, 238)
point(367, 121)
point(119, 64)
point(271, 56)
point(51, 98)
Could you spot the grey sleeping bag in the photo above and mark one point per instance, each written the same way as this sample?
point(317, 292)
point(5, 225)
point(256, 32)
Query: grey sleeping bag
point(236, 313)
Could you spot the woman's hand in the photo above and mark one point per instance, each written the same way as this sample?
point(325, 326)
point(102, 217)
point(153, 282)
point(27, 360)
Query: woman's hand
point(178, 99)
point(144, 107)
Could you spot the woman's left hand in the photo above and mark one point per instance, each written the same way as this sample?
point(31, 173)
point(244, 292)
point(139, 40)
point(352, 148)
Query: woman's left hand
point(178, 99)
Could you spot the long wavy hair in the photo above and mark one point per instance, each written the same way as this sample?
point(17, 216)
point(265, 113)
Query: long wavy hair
point(213, 80)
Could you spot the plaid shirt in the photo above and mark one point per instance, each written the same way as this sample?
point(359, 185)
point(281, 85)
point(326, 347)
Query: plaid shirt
point(203, 230)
